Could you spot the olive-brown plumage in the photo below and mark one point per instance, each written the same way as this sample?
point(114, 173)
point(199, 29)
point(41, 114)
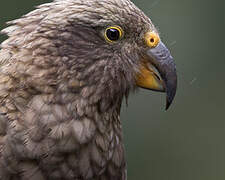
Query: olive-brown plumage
point(61, 88)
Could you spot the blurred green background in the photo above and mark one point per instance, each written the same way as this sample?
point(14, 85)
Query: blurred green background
point(188, 141)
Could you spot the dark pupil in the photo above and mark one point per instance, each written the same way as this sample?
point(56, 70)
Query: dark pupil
point(113, 34)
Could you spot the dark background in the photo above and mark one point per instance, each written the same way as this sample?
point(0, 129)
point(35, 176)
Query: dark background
point(188, 141)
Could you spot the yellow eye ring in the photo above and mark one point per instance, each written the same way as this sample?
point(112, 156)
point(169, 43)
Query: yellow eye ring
point(113, 34)
point(152, 39)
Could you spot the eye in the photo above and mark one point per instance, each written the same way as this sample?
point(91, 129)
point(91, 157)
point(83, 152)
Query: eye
point(113, 34)
point(152, 39)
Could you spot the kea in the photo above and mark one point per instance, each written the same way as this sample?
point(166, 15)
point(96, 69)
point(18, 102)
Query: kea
point(64, 71)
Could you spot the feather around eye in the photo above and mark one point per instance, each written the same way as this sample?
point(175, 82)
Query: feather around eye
point(113, 34)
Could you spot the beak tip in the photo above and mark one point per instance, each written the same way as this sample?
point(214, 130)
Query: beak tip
point(167, 105)
point(170, 96)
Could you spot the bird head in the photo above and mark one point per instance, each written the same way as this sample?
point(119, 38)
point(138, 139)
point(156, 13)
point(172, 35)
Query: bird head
point(110, 46)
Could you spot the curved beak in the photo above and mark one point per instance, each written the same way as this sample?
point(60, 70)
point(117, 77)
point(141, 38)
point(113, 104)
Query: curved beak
point(158, 72)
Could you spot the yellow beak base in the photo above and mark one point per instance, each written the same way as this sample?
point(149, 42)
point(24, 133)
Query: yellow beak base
point(147, 78)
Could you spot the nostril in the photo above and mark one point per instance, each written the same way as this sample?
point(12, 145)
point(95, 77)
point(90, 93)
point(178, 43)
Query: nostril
point(152, 39)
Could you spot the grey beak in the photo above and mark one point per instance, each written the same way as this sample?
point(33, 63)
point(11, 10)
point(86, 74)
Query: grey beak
point(163, 61)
